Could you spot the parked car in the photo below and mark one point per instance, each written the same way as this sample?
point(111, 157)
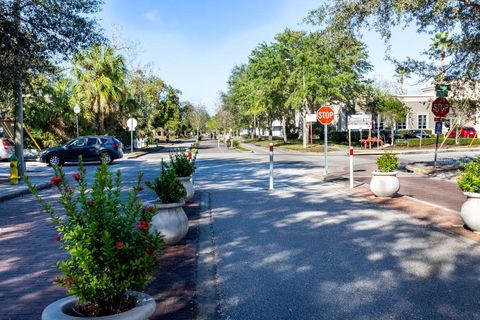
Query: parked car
point(7, 148)
point(465, 132)
point(413, 134)
point(91, 148)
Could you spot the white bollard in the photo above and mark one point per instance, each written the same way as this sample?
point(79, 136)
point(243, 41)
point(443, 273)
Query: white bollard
point(351, 167)
point(271, 166)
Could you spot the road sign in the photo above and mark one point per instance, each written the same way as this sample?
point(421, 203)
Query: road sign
point(442, 90)
point(76, 109)
point(325, 115)
point(359, 122)
point(438, 127)
point(131, 124)
point(440, 107)
point(311, 117)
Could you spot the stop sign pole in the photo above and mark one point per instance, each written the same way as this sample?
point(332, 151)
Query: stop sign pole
point(325, 116)
point(440, 108)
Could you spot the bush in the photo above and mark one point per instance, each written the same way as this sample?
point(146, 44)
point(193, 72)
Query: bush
point(235, 143)
point(387, 162)
point(469, 180)
point(167, 187)
point(110, 248)
point(180, 163)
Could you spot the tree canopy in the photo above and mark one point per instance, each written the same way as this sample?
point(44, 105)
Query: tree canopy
point(460, 51)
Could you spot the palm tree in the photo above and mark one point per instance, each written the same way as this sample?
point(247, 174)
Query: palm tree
point(402, 73)
point(441, 43)
point(100, 81)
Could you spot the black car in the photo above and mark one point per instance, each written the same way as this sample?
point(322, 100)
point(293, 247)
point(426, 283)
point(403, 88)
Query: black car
point(91, 148)
point(416, 134)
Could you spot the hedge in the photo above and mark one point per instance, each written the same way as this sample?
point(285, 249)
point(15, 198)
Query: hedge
point(431, 141)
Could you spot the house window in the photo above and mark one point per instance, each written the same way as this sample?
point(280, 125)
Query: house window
point(401, 125)
point(422, 121)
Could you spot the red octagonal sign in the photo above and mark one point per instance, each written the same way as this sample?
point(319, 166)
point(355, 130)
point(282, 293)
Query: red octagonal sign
point(440, 107)
point(325, 115)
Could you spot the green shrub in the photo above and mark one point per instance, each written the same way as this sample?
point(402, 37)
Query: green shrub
point(387, 162)
point(180, 163)
point(167, 187)
point(235, 143)
point(469, 180)
point(110, 248)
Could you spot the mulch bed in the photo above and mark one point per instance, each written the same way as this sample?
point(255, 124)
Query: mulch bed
point(174, 285)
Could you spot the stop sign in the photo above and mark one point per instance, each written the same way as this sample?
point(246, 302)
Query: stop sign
point(325, 115)
point(440, 107)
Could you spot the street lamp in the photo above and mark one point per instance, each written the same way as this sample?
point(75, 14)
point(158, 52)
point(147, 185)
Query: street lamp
point(76, 109)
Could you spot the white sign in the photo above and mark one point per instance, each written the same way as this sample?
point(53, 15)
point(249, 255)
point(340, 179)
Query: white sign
point(311, 117)
point(76, 109)
point(359, 122)
point(131, 124)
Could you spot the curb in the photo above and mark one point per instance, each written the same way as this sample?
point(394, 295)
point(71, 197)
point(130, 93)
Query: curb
point(23, 191)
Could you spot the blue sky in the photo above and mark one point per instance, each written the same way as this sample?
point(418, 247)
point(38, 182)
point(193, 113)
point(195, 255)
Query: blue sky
point(193, 44)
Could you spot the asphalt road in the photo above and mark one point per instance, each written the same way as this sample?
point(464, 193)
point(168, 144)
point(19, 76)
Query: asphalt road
point(309, 251)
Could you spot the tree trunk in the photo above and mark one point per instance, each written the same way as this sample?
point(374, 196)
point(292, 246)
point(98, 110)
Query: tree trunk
point(284, 128)
point(270, 128)
point(254, 126)
point(19, 94)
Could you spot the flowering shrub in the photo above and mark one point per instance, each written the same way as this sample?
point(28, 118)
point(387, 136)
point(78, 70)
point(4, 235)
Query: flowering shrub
point(181, 164)
point(167, 187)
point(110, 248)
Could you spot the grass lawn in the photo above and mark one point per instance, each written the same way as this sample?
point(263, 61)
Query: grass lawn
point(294, 145)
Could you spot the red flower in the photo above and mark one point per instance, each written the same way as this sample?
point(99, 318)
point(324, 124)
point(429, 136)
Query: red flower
point(149, 251)
point(76, 176)
point(140, 187)
point(142, 225)
point(119, 245)
point(90, 203)
point(68, 282)
point(57, 237)
point(149, 209)
point(56, 180)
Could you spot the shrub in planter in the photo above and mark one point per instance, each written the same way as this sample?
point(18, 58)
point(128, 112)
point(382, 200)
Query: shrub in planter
point(167, 186)
point(180, 163)
point(110, 249)
point(469, 183)
point(235, 143)
point(469, 179)
point(387, 162)
point(171, 220)
point(385, 182)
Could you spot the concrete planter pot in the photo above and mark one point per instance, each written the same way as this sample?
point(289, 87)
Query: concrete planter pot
point(384, 184)
point(470, 211)
point(170, 220)
point(63, 309)
point(187, 183)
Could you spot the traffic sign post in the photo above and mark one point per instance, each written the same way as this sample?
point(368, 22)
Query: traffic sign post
point(131, 124)
point(440, 108)
point(325, 116)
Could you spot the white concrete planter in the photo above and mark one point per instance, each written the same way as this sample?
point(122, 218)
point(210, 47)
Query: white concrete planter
point(62, 309)
point(384, 184)
point(170, 220)
point(188, 185)
point(470, 211)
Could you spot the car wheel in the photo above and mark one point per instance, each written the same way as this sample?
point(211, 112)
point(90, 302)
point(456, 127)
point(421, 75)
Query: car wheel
point(54, 160)
point(106, 157)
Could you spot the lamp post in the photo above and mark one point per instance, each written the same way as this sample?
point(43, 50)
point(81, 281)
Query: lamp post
point(76, 109)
